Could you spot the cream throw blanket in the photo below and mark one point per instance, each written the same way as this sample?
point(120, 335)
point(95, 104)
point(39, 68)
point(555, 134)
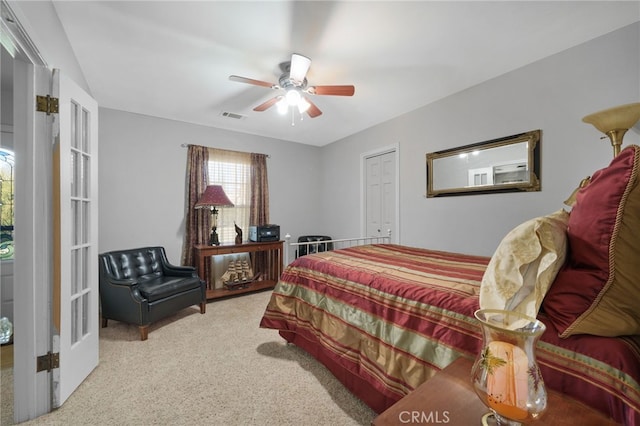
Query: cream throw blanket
point(525, 264)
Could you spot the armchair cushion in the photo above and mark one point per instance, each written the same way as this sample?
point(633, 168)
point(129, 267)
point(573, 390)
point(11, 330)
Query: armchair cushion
point(161, 286)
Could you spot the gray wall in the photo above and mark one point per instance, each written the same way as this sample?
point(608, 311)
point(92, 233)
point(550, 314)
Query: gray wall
point(143, 174)
point(552, 95)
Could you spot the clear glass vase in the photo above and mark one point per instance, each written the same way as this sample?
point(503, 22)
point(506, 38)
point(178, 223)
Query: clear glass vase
point(505, 374)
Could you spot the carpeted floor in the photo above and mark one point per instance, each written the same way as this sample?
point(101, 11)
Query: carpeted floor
point(214, 369)
point(6, 384)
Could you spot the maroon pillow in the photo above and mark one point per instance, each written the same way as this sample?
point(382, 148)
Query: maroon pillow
point(598, 289)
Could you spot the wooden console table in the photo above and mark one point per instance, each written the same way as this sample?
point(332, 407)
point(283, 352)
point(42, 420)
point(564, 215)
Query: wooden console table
point(268, 278)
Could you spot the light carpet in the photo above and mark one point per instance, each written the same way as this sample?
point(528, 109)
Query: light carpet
point(219, 368)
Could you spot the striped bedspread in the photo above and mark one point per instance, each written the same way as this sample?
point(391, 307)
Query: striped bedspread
point(385, 318)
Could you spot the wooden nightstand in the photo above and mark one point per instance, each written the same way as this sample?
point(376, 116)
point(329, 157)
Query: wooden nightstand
point(448, 398)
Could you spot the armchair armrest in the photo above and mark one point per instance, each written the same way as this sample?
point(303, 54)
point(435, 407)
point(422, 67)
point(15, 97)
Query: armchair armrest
point(180, 271)
point(116, 286)
point(174, 270)
point(118, 290)
point(120, 298)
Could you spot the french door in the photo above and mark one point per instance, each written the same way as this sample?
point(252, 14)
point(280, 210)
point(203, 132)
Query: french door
point(75, 235)
point(55, 266)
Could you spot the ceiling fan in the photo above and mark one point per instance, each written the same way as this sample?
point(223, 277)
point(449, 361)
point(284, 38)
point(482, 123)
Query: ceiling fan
point(294, 83)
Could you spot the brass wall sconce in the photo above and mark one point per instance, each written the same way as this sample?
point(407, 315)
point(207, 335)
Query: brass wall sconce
point(614, 122)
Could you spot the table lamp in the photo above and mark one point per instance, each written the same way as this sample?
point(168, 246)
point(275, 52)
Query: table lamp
point(212, 197)
point(614, 122)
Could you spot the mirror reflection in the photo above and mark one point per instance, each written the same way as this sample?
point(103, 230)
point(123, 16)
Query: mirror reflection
point(498, 165)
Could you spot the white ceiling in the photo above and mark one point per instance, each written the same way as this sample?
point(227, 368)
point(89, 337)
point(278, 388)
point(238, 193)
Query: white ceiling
point(173, 59)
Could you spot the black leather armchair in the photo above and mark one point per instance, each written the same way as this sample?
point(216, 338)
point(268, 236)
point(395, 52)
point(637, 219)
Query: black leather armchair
point(139, 286)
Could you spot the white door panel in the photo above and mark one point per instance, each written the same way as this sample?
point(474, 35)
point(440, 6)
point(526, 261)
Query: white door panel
point(388, 191)
point(76, 238)
point(380, 194)
point(373, 196)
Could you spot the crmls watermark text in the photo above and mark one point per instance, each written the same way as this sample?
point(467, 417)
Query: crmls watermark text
point(424, 417)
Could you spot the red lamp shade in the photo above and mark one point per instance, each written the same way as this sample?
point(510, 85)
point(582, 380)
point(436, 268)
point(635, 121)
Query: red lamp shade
point(213, 196)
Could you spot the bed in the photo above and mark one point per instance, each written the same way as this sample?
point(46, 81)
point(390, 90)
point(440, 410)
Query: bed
point(383, 318)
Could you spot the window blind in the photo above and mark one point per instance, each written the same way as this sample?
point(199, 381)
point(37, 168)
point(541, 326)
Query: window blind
point(232, 170)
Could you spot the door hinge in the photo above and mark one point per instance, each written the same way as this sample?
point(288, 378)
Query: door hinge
point(47, 104)
point(48, 362)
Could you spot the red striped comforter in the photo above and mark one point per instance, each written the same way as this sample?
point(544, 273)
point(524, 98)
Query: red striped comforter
point(385, 318)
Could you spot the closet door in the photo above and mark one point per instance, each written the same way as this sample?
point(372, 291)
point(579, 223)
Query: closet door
point(380, 194)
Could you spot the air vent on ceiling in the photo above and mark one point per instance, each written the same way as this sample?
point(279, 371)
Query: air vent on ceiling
point(232, 115)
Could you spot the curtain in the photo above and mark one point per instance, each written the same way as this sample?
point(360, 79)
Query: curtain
point(259, 203)
point(259, 190)
point(197, 221)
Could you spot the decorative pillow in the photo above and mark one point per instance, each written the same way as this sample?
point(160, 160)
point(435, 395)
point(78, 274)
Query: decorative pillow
point(525, 264)
point(598, 291)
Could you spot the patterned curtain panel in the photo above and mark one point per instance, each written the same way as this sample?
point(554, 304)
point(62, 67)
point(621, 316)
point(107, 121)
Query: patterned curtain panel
point(198, 222)
point(259, 203)
point(259, 190)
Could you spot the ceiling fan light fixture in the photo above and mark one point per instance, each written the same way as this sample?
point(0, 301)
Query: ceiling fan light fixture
point(283, 106)
point(293, 97)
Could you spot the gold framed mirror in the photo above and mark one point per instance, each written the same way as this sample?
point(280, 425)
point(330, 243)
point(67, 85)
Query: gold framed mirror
point(507, 164)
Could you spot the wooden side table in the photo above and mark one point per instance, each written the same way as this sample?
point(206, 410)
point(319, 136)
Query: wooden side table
point(269, 276)
point(449, 398)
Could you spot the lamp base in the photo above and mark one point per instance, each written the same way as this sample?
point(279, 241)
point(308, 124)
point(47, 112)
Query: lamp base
point(213, 238)
point(616, 136)
point(493, 419)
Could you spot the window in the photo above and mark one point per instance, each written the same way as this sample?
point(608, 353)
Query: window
point(232, 170)
point(7, 162)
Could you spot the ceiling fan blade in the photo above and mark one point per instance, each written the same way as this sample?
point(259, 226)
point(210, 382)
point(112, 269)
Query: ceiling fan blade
point(268, 104)
point(252, 81)
point(313, 110)
point(299, 67)
point(332, 90)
